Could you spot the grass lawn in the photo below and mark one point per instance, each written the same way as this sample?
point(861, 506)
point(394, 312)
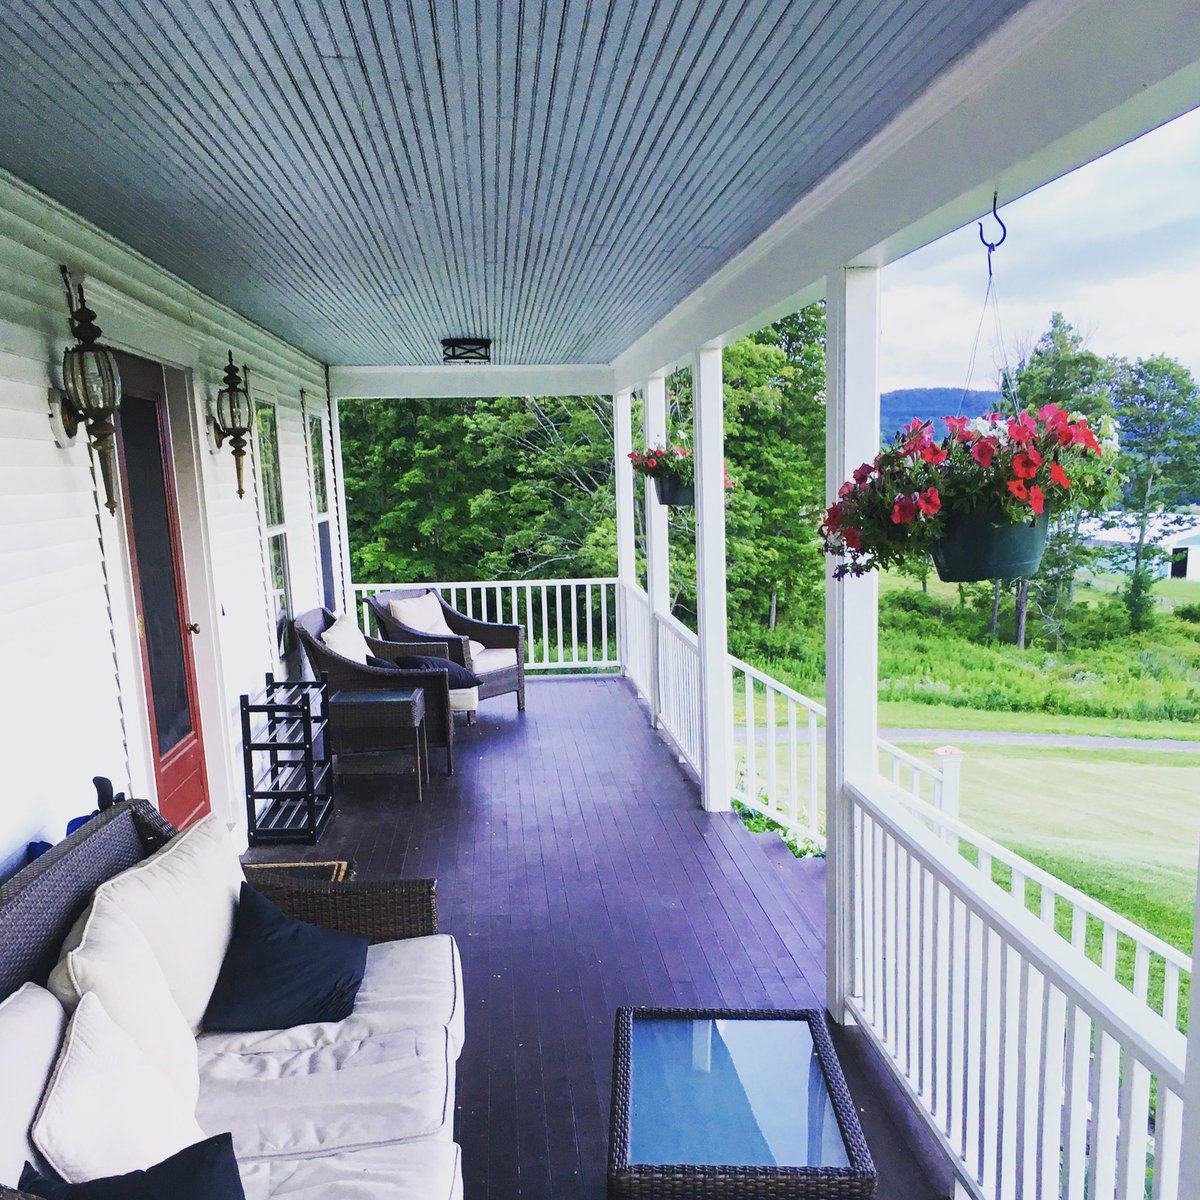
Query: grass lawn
point(1121, 825)
point(908, 714)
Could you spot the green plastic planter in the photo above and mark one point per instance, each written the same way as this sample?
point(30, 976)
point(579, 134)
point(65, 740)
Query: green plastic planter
point(986, 545)
point(675, 492)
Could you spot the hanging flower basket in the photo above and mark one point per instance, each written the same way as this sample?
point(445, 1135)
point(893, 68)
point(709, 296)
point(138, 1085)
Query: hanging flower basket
point(987, 545)
point(675, 492)
point(976, 499)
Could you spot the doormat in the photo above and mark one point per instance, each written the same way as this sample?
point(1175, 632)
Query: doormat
point(320, 872)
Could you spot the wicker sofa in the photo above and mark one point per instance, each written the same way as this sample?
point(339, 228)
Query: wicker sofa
point(412, 991)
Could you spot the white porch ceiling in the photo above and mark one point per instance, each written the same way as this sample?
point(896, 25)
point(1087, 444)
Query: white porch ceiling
point(364, 177)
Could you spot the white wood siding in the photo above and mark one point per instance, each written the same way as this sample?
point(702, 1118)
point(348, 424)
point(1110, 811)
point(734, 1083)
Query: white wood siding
point(73, 703)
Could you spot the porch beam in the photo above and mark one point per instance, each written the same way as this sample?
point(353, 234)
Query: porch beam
point(477, 380)
point(658, 556)
point(716, 696)
point(851, 606)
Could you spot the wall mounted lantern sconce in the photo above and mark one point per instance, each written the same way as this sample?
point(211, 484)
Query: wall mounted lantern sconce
point(91, 391)
point(232, 418)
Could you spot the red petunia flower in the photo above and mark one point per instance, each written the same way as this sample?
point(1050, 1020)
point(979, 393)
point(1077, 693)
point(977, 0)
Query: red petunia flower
point(1059, 476)
point(904, 511)
point(845, 490)
point(929, 501)
point(1025, 466)
point(984, 451)
point(852, 538)
point(957, 425)
point(1037, 498)
point(1022, 429)
point(934, 454)
point(863, 473)
point(1018, 489)
point(833, 517)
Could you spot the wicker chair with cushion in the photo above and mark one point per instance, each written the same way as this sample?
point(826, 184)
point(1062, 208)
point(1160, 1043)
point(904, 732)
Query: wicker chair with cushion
point(348, 674)
point(496, 653)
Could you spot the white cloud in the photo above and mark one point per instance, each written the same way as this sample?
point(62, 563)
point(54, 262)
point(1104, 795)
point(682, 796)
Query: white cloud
point(1114, 246)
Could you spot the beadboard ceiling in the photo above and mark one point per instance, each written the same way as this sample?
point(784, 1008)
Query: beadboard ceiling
point(365, 177)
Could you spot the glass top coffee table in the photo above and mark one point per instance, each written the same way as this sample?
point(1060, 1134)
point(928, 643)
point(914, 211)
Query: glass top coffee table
point(732, 1103)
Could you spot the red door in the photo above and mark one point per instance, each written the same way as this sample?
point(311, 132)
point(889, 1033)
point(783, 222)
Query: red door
point(165, 630)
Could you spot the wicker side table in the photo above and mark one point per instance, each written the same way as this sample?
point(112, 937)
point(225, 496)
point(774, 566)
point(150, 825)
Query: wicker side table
point(367, 726)
point(732, 1104)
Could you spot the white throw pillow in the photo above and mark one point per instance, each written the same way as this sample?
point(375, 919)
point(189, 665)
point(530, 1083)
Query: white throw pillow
point(183, 899)
point(464, 699)
point(31, 1029)
point(345, 638)
point(108, 1110)
point(422, 612)
point(106, 953)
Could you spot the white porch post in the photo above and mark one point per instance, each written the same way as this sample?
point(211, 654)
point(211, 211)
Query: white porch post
point(623, 470)
point(1189, 1167)
point(716, 697)
point(658, 561)
point(349, 600)
point(851, 606)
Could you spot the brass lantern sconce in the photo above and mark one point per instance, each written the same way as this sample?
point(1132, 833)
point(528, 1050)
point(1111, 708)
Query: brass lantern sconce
point(233, 416)
point(91, 390)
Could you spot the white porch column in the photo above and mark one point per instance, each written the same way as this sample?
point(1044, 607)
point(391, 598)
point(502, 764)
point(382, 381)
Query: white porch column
point(1189, 1167)
point(349, 600)
point(851, 606)
point(623, 471)
point(658, 562)
point(716, 698)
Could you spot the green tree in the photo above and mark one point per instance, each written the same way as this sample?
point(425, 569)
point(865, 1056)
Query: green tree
point(1158, 407)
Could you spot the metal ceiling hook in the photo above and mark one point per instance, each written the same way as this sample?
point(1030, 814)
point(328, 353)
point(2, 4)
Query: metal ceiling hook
point(992, 246)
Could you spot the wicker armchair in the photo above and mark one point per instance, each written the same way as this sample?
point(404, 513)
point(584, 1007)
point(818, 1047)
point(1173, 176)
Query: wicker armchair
point(346, 674)
point(493, 681)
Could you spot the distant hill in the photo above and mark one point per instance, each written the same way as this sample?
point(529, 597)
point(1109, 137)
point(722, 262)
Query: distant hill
point(897, 408)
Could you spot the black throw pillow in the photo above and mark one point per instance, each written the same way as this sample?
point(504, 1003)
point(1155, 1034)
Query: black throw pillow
point(205, 1171)
point(279, 972)
point(459, 676)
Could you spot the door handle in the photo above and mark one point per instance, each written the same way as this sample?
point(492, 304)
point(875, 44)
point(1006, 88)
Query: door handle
point(194, 627)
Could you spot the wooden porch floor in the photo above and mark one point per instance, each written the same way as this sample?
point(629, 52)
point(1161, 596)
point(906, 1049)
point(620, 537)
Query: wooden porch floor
point(578, 873)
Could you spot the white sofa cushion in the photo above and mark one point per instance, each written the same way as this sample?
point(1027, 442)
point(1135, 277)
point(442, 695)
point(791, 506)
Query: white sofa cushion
point(487, 661)
point(464, 699)
point(402, 1171)
point(345, 638)
point(31, 1029)
point(183, 899)
point(407, 983)
point(300, 1102)
point(106, 953)
point(477, 648)
point(107, 1109)
point(422, 612)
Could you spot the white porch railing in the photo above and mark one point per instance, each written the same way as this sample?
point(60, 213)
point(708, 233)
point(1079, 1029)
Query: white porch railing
point(1152, 969)
point(679, 686)
point(570, 624)
point(1043, 1077)
point(779, 736)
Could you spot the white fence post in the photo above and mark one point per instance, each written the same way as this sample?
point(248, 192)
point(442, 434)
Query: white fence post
point(658, 559)
point(851, 609)
point(950, 759)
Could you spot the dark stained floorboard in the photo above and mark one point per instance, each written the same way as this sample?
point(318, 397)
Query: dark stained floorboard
point(579, 873)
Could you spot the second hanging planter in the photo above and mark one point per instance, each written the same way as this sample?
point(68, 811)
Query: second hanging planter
point(675, 492)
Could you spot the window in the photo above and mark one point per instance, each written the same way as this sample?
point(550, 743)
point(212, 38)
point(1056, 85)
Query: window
point(279, 576)
point(317, 464)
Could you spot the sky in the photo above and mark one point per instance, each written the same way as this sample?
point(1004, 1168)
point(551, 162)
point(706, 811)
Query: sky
point(1114, 246)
